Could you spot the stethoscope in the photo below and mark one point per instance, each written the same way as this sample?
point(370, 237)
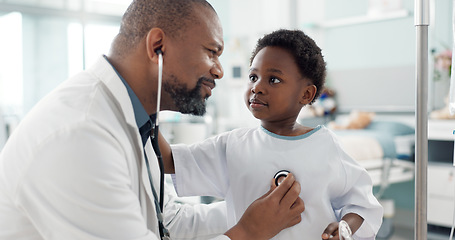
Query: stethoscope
point(344, 231)
point(159, 201)
point(157, 121)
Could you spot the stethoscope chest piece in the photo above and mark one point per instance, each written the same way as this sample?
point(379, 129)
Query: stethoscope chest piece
point(280, 176)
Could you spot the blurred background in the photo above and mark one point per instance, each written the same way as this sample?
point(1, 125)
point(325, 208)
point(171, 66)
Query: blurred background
point(369, 47)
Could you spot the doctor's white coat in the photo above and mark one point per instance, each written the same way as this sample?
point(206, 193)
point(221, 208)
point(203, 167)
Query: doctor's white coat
point(74, 169)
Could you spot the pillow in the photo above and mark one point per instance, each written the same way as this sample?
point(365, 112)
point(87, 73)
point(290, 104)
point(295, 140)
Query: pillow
point(394, 128)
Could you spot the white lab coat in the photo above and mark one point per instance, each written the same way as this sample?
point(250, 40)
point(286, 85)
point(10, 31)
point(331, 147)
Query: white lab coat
point(74, 169)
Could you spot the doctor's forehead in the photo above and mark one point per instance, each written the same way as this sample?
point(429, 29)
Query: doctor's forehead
point(206, 26)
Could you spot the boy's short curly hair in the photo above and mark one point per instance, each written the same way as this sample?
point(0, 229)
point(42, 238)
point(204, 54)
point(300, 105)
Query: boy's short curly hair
point(306, 53)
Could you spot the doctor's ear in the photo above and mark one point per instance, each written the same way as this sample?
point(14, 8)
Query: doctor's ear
point(154, 43)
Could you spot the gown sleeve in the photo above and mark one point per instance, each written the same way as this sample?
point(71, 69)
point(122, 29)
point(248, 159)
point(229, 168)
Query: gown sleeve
point(194, 221)
point(201, 168)
point(357, 197)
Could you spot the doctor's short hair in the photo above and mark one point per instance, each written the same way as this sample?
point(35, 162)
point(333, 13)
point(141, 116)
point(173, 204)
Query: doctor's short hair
point(172, 16)
point(307, 54)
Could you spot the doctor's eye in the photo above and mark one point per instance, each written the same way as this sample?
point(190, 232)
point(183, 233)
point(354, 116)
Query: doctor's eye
point(212, 52)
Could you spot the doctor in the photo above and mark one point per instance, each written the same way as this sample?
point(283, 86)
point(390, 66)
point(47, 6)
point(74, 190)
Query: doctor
point(75, 168)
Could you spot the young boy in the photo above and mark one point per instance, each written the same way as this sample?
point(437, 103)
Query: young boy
point(287, 72)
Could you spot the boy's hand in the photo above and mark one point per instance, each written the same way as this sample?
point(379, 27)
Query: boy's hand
point(331, 231)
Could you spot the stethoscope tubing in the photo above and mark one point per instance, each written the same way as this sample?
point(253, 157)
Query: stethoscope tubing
point(164, 233)
point(158, 104)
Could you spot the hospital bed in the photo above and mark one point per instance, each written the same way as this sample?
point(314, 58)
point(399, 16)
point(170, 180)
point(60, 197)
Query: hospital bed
point(384, 148)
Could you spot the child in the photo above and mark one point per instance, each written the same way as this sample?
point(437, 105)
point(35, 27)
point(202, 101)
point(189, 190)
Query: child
point(287, 72)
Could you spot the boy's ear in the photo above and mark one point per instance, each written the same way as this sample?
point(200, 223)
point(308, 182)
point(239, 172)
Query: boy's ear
point(308, 94)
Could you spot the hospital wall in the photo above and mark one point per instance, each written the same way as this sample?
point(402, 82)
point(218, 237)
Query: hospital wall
point(381, 54)
point(365, 58)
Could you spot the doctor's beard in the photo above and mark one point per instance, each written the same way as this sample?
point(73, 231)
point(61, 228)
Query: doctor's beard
point(187, 101)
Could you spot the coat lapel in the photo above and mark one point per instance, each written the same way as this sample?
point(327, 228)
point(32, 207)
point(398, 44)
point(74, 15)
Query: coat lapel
point(139, 179)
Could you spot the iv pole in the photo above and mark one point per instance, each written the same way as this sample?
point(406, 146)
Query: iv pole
point(421, 20)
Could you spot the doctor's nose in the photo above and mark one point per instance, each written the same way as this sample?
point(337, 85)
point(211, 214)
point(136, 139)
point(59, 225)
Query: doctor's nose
point(217, 70)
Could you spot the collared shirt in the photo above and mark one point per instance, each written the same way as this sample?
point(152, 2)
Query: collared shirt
point(140, 114)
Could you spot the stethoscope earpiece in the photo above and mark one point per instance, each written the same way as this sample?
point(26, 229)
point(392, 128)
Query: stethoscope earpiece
point(160, 80)
point(280, 176)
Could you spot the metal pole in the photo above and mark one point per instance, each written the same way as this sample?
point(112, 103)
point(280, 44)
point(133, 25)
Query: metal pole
point(421, 15)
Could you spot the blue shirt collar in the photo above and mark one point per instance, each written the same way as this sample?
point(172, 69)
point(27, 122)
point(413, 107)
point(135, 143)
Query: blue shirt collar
point(140, 114)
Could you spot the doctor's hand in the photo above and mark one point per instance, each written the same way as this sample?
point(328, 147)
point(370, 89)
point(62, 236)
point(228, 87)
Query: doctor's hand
point(279, 208)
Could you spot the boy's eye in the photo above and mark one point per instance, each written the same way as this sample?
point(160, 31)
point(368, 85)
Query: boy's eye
point(253, 78)
point(274, 80)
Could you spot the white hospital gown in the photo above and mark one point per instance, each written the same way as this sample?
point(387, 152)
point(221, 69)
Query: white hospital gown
point(239, 165)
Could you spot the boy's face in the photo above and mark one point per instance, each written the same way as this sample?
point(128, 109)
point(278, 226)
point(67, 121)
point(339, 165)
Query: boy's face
point(276, 90)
